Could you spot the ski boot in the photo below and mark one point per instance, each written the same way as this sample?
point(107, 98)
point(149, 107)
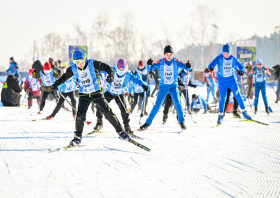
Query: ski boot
point(276, 99)
point(245, 115)
point(236, 114)
point(146, 113)
point(50, 117)
point(144, 127)
point(220, 119)
point(99, 125)
point(39, 112)
point(205, 111)
point(29, 107)
point(76, 141)
point(127, 129)
point(267, 110)
point(138, 110)
point(256, 110)
point(124, 136)
point(183, 126)
point(164, 119)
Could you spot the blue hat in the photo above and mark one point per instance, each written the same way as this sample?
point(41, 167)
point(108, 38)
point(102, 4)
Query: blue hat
point(79, 54)
point(259, 62)
point(227, 48)
point(16, 75)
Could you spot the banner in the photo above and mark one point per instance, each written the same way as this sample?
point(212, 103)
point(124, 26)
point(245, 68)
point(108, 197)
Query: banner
point(246, 51)
point(77, 44)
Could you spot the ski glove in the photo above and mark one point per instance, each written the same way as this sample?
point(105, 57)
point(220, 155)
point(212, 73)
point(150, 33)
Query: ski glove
point(188, 65)
point(211, 68)
point(54, 87)
point(145, 87)
point(110, 79)
point(150, 61)
point(240, 72)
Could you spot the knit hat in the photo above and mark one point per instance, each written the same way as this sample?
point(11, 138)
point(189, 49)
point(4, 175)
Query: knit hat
point(250, 63)
point(16, 75)
point(141, 63)
point(206, 70)
point(79, 54)
point(47, 66)
point(12, 58)
point(259, 62)
point(122, 63)
point(168, 49)
point(51, 60)
point(194, 96)
point(59, 61)
point(227, 48)
point(65, 64)
point(30, 72)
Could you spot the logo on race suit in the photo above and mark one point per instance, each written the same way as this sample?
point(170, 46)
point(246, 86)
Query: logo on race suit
point(227, 68)
point(84, 75)
point(117, 83)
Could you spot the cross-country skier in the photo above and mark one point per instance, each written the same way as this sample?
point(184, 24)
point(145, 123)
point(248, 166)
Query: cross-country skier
point(209, 77)
point(47, 76)
point(122, 77)
point(260, 73)
point(168, 72)
point(87, 73)
point(199, 103)
point(143, 71)
point(138, 92)
point(32, 87)
point(67, 89)
point(227, 64)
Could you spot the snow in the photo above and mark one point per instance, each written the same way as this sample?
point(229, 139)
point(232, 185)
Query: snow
point(235, 160)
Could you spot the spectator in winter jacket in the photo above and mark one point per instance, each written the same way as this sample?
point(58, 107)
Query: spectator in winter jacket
point(10, 94)
point(277, 76)
point(249, 78)
point(13, 67)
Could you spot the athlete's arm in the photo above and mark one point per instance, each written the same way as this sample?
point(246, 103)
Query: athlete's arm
point(214, 62)
point(153, 66)
point(103, 67)
point(267, 71)
point(240, 65)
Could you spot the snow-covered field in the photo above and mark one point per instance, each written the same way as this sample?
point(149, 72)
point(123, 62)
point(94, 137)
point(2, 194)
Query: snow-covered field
point(235, 160)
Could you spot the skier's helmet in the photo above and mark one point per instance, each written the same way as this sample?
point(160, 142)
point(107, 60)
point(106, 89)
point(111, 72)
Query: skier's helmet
point(259, 62)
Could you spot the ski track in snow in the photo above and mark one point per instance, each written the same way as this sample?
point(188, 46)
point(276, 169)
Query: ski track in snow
point(235, 160)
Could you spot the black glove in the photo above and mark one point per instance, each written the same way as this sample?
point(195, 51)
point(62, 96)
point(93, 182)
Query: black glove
point(240, 72)
point(150, 61)
point(211, 68)
point(145, 87)
point(54, 87)
point(21, 83)
point(110, 79)
point(188, 65)
point(195, 86)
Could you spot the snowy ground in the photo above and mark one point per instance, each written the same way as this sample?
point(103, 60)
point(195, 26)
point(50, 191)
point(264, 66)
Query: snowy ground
point(235, 160)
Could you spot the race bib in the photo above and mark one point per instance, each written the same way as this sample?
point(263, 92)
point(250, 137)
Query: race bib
point(118, 83)
point(168, 74)
point(86, 80)
point(34, 85)
point(259, 75)
point(47, 79)
point(227, 68)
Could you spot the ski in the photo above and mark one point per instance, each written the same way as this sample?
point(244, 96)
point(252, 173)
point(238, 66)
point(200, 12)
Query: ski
point(36, 114)
point(254, 121)
point(238, 118)
point(137, 130)
point(135, 136)
point(217, 125)
point(94, 132)
point(65, 148)
point(139, 145)
point(39, 119)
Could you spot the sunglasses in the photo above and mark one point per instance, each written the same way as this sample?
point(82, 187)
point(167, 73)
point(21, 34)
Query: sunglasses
point(78, 61)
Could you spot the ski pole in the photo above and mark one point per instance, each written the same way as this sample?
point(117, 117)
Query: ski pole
point(87, 122)
point(24, 98)
point(143, 106)
point(270, 84)
point(127, 111)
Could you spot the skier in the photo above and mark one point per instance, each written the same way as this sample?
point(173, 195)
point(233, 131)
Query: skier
point(227, 64)
point(32, 87)
point(121, 79)
point(67, 89)
point(87, 73)
point(13, 67)
point(138, 91)
point(48, 79)
point(168, 72)
point(142, 70)
point(186, 76)
point(260, 74)
point(199, 103)
point(209, 77)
